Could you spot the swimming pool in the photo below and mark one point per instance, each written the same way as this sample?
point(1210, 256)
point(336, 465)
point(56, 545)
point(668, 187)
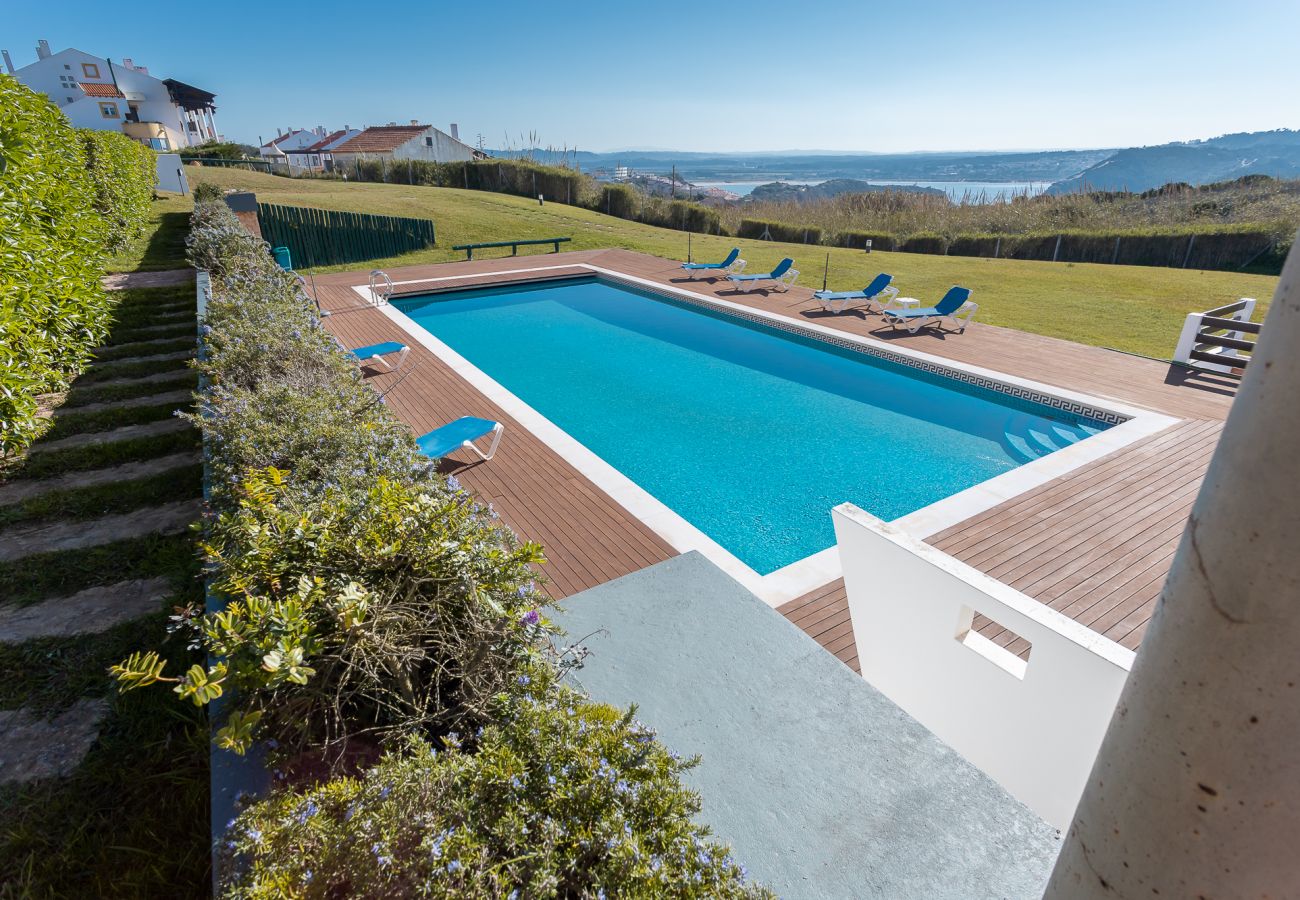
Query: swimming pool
point(749, 432)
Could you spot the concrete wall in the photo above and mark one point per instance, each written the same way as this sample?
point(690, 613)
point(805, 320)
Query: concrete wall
point(1033, 726)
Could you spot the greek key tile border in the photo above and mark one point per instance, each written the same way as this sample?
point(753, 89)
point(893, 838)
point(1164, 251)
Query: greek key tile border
point(1071, 407)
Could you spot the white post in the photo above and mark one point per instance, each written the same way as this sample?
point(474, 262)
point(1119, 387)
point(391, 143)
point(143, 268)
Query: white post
point(1195, 790)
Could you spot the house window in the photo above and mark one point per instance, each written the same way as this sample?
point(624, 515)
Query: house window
point(90, 70)
point(108, 110)
point(428, 142)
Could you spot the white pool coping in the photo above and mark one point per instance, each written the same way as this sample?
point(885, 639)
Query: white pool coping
point(823, 567)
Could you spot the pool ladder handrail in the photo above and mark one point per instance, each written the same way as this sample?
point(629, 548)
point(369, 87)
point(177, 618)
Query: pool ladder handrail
point(379, 299)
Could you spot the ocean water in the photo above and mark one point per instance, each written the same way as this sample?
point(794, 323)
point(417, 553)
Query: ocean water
point(975, 191)
point(749, 433)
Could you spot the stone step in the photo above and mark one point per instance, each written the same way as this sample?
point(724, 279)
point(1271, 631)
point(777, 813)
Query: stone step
point(181, 396)
point(25, 540)
point(165, 278)
point(91, 611)
point(148, 429)
point(25, 489)
point(32, 747)
point(157, 357)
point(118, 351)
point(169, 375)
point(180, 329)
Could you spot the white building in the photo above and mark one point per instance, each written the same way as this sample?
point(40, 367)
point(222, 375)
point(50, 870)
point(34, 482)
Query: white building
point(94, 92)
point(318, 156)
point(278, 148)
point(402, 142)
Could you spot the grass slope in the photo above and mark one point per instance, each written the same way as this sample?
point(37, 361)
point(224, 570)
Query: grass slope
point(1134, 308)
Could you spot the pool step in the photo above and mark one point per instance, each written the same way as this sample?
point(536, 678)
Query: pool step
point(1027, 438)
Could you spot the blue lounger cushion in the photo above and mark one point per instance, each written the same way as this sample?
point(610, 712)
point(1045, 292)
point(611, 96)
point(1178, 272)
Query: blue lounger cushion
point(951, 302)
point(731, 258)
point(370, 352)
point(878, 284)
point(781, 268)
point(452, 436)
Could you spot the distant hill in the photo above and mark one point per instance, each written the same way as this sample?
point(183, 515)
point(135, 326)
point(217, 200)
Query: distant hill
point(779, 191)
point(1044, 165)
point(1225, 158)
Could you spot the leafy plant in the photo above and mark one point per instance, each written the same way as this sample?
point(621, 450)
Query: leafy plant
point(60, 210)
point(397, 609)
point(559, 797)
point(124, 173)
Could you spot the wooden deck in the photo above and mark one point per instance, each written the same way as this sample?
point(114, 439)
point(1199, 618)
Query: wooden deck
point(1095, 544)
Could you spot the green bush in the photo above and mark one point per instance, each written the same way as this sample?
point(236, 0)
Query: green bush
point(366, 613)
point(779, 231)
point(681, 215)
point(857, 240)
point(975, 245)
point(52, 308)
point(621, 200)
point(124, 173)
point(923, 242)
point(561, 798)
point(207, 192)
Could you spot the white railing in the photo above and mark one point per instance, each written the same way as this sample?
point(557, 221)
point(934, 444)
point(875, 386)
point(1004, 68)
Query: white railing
point(379, 295)
point(1033, 725)
point(1217, 338)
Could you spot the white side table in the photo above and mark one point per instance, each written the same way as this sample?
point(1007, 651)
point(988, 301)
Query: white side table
point(900, 302)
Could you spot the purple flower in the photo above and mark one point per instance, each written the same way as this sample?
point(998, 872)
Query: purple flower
point(523, 680)
point(531, 617)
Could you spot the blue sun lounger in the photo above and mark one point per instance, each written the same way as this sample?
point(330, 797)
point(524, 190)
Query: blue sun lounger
point(733, 264)
point(955, 307)
point(838, 301)
point(375, 353)
point(782, 276)
point(461, 434)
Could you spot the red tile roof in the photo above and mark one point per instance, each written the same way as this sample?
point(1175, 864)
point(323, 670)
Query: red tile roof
point(381, 138)
point(102, 90)
point(322, 143)
point(283, 137)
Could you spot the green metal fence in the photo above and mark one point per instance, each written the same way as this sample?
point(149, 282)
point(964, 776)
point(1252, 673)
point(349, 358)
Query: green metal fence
point(323, 237)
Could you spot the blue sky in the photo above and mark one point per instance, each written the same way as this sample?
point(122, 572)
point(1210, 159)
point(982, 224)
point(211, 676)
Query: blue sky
point(759, 75)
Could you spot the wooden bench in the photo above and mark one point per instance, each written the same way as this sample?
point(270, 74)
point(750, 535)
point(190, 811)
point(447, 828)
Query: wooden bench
point(513, 245)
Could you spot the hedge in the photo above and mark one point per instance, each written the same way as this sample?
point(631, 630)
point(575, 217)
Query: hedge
point(373, 606)
point(779, 231)
point(923, 242)
point(857, 240)
point(59, 213)
point(124, 173)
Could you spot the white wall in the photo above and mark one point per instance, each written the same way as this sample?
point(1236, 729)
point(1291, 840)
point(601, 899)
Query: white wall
point(445, 148)
point(171, 174)
point(1034, 727)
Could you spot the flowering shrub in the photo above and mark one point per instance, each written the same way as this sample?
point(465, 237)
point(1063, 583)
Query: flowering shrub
point(561, 797)
point(370, 601)
point(395, 609)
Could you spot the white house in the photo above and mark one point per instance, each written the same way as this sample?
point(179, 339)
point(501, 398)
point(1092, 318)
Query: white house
point(278, 148)
point(318, 156)
point(402, 142)
point(94, 92)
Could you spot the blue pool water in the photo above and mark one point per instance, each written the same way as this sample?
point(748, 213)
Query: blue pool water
point(749, 433)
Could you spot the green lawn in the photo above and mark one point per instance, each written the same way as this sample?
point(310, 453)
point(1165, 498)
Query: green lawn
point(162, 246)
point(1133, 308)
